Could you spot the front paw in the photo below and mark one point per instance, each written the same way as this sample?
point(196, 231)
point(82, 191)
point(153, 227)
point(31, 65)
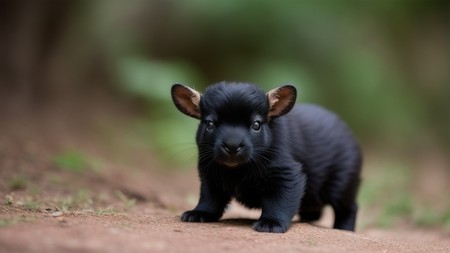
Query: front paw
point(270, 226)
point(198, 216)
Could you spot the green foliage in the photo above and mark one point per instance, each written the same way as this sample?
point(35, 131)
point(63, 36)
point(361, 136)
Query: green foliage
point(167, 130)
point(446, 219)
point(354, 57)
point(269, 74)
point(152, 80)
point(395, 208)
point(386, 194)
point(429, 217)
point(387, 187)
point(385, 181)
point(173, 138)
point(72, 161)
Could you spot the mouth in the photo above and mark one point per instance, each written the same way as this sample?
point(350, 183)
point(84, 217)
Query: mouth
point(231, 163)
point(232, 159)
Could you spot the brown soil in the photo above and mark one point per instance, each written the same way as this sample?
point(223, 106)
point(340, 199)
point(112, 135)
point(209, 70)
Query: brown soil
point(152, 224)
point(161, 231)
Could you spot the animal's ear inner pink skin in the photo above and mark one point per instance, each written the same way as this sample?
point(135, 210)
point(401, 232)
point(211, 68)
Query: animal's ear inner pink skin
point(187, 100)
point(281, 100)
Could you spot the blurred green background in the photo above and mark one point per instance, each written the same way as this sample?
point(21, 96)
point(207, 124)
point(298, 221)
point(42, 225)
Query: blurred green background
point(383, 66)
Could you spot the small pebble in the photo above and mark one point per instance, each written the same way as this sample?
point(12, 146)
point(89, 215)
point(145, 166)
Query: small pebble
point(57, 214)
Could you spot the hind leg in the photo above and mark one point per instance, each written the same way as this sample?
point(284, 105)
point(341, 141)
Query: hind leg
point(345, 218)
point(342, 191)
point(345, 208)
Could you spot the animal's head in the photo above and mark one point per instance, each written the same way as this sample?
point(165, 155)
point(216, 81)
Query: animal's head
point(234, 119)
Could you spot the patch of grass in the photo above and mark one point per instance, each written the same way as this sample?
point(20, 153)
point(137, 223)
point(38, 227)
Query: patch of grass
point(26, 204)
point(127, 202)
point(56, 180)
point(82, 199)
point(34, 190)
point(30, 205)
point(106, 211)
point(399, 207)
point(7, 222)
point(385, 190)
point(72, 161)
point(430, 218)
point(10, 221)
point(396, 208)
point(446, 220)
point(18, 183)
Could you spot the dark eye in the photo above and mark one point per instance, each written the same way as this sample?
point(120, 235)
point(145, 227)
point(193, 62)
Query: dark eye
point(209, 125)
point(256, 126)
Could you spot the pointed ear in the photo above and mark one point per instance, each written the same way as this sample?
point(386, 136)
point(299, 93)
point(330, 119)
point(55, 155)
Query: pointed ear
point(281, 100)
point(187, 100)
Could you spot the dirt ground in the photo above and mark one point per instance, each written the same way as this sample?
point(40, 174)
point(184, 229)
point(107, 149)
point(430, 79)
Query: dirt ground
point(158, 230)
point(132, 207)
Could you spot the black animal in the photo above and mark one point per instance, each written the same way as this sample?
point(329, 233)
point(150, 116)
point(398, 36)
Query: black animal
point(268, 153)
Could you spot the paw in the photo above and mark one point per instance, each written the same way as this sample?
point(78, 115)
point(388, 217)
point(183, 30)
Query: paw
point(270, 226)
point(198, 216)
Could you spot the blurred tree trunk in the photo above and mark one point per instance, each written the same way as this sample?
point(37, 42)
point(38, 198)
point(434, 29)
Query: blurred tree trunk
point(29, 31)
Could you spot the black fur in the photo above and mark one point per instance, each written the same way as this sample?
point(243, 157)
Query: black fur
point(296, 163)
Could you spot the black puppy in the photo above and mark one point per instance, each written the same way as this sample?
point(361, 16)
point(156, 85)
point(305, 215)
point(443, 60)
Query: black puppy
point(283, 164)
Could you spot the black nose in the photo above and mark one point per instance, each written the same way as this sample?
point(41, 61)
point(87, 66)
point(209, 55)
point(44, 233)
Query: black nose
point(232, 149)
